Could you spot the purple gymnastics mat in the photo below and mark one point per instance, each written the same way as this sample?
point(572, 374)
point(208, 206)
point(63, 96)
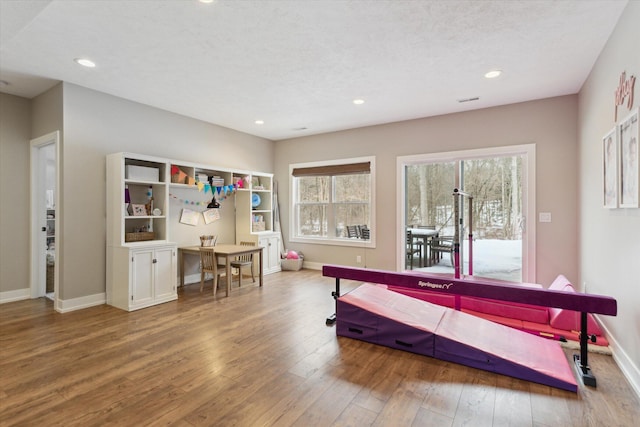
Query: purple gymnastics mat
point(377, 315)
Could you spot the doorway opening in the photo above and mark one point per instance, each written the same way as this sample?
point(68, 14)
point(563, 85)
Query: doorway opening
point(45, 184)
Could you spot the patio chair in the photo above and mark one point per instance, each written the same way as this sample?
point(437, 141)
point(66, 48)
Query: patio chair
point(441, 245)
point(412, 248)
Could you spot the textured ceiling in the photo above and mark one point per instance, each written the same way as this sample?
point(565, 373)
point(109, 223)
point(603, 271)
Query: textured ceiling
point(298, 65)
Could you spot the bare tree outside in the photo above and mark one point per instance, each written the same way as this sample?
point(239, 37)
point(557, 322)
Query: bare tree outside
point(494, 183)
point(496, 186)
point(429, 189)
point(327, 204)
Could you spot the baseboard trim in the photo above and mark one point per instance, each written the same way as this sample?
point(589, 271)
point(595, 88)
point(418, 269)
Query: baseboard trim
point(65, 306)
point(15, 295)
point(312, 265)
point(630, 371)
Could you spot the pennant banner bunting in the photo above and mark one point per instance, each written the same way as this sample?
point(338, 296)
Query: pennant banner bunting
point(226, 190)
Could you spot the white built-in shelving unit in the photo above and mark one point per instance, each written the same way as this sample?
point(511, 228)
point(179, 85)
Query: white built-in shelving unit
point(141, 248)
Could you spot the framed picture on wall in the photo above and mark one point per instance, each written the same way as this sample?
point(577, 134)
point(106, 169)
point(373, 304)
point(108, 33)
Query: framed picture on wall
point(610, 168)
point(629, 158)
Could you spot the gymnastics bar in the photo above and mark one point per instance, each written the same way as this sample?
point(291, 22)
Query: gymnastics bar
point(583, 303)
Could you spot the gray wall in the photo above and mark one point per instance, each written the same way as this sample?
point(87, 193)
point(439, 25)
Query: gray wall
point(15, 133)
point(550, 123)
point(92, 125)
point(96, 124)
point(610, 238)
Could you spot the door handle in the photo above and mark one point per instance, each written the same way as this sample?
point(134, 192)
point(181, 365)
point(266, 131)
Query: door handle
point(44, 229)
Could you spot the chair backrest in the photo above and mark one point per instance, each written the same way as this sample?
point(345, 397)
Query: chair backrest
point(352, 231)
point(365, 233)
point(409, 240)
point(208, 260)
point(442, 243)
point(247, 257)
point(209, 240)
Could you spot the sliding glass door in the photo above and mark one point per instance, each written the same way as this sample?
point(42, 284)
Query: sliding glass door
point(497, 180)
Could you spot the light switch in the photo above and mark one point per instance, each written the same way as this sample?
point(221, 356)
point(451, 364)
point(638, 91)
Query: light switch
point(545, 216)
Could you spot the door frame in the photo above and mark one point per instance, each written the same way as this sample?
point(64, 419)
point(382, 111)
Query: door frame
point(528, 196)
point(38, 217)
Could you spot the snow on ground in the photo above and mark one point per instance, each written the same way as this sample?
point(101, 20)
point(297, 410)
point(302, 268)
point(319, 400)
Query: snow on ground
point(496, 259)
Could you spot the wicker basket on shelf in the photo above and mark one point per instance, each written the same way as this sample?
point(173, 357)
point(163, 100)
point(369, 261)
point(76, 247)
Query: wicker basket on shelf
point(140, 236)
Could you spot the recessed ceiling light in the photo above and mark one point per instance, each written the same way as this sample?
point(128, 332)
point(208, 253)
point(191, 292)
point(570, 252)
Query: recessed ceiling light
point(493, 74)
point(85, 62)
point(358, 101)
point(206, 1)
point(259, 122)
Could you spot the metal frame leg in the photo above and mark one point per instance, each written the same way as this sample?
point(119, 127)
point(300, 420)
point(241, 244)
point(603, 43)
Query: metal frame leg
point(582, 361)
point(336, 294)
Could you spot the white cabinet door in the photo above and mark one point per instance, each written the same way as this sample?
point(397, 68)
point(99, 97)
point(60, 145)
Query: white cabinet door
point(165, 272)
point(273, 256)
point(271, 253)
point(153, 276)
point(142, 272)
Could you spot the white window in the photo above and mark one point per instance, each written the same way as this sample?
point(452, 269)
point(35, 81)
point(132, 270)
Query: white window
point(332, 202)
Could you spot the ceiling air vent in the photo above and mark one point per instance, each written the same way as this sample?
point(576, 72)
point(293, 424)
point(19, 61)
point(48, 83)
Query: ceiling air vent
point(468, 99)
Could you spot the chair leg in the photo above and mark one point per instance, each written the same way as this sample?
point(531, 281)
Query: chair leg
point(239, 277)
point(216, 279)
point(201, 281)
point(253, 277)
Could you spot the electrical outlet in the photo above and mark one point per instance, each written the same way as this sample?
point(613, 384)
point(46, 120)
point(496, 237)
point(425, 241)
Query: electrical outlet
point(358, 259)
point(545, 217)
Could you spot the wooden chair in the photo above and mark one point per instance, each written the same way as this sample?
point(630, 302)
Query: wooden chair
point(208, 264)
point(208, 240)
point(244, 261)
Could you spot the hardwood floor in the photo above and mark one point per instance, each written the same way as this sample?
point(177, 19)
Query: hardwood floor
point(261, 357)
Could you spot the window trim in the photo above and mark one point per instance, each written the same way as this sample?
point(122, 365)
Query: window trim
point(528, 195)
point(371, 243)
